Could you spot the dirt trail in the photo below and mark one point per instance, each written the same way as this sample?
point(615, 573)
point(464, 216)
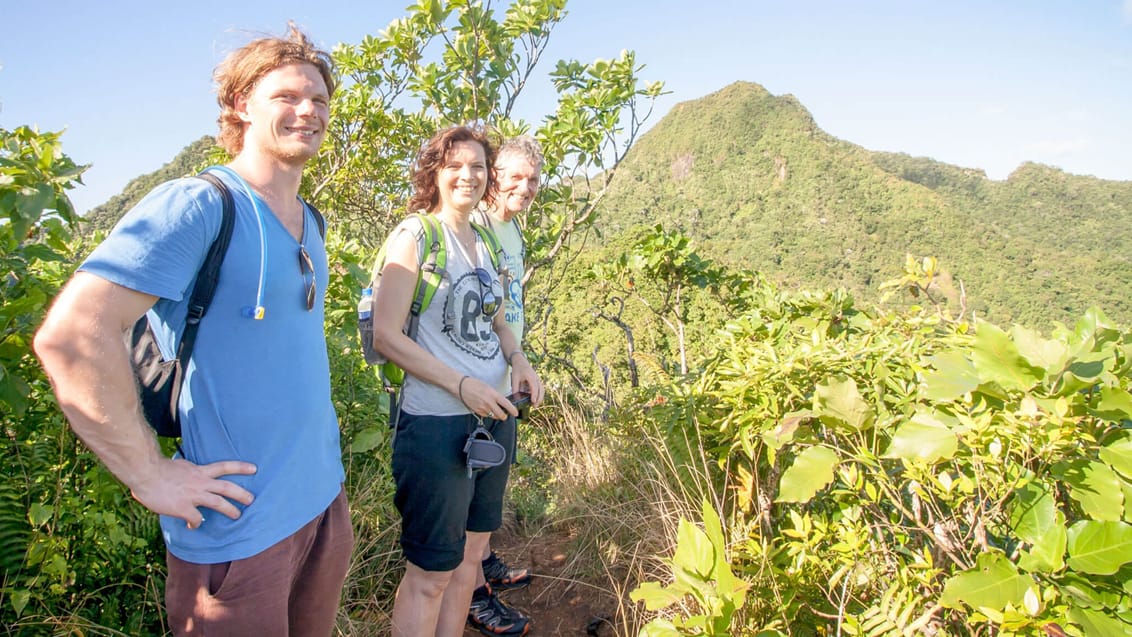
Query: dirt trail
point(556, 605)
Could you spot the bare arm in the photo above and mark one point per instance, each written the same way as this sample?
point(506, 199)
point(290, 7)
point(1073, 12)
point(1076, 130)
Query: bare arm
point(82, 347)
point(523, 376)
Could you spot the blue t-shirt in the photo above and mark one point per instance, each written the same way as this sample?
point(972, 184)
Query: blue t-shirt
point(255, 390)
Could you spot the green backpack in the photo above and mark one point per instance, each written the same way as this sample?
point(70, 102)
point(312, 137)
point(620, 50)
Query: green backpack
point(433, 255)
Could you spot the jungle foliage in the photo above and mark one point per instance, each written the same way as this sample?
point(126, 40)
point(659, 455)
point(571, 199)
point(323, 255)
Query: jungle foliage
point(903, 473)
point(79, 554)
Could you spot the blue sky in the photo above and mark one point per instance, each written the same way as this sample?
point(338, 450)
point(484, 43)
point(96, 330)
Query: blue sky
point(978, 83)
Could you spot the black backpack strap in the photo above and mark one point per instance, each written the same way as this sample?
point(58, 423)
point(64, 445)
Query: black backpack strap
point(318, 219)
point(209, 273)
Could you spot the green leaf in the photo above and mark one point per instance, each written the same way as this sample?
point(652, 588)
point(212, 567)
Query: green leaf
point(839, 404)
point(368, 439)
point(694, 551)
point(20, 598)
point(1032, 511)
point(997, 359)
point(1098, 624)
point(993, 583)
point(660, 628)
point(13, 392)
point(1086, 369)
point(38, 514)
point(1118, 455)
point(784, 432)
point(811, 471)
point(1096, 488)
point(1034, 517)
point(1079, 589)
point(1050, 355)
point(713, 530)
point(1114, 404)
point(954, 375)
point(1047, 555)
point(655, 596)
point(728, 586)
point(1099, 548)
point(923, 438)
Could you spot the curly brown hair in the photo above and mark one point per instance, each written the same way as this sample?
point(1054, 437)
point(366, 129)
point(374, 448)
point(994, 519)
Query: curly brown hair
point(239, 72)
point(426, 195)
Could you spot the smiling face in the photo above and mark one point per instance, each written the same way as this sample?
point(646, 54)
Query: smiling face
point(517, 181)
point(462, 178)
point(285, 114)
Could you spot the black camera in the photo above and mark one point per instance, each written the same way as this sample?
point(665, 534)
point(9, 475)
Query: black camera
point(522, 402)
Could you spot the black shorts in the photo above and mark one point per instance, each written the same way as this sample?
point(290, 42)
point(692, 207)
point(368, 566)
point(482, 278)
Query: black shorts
point(437, 500)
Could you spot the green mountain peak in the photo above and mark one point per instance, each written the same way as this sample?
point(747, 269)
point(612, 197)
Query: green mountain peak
point(756, 183)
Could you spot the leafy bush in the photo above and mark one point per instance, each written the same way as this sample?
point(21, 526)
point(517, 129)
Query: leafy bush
point(69, 535)
point(902, 473)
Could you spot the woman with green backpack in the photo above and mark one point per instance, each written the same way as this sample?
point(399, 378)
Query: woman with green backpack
point(456, 430)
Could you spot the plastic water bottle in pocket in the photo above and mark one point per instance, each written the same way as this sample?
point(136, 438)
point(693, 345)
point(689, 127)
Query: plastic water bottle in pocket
point(365, 326)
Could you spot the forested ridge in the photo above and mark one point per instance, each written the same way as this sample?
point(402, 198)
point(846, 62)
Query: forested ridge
point(187, 162)
point(755, 183)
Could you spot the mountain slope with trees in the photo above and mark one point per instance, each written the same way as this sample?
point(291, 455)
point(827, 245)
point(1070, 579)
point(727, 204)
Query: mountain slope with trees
point(753, 180)
point(187, 162)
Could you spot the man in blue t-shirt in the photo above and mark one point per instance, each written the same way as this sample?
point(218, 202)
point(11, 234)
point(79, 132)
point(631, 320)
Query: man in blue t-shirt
point(253, 511)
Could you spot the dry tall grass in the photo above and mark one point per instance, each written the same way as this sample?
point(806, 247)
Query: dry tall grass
point(621, 491)
point(376, 566)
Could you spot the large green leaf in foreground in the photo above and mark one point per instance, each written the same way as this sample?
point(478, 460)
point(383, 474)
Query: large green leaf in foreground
point(1099, 547)
point(811, 471)
point(993, 583)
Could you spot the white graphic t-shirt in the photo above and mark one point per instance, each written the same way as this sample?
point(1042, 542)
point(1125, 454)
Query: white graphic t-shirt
point(456, 328)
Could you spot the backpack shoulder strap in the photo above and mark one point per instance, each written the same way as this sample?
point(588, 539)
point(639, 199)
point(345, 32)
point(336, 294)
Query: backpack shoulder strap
point(433, 255)
point(209, 273)
point(432, 261)
point(494, 248)
point(319, 219)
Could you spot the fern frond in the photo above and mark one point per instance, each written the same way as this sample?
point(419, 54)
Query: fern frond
point(651, 366)
point(899, 612)
point(14, 528)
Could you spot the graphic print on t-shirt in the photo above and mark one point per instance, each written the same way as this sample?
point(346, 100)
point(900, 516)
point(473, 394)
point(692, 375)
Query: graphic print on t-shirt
point(465, 324)
point(514, 288)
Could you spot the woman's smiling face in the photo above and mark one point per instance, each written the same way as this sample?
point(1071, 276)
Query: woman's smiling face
point(462, 179)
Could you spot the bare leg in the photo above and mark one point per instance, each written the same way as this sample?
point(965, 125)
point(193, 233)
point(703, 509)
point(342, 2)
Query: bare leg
point(480, 581)
point(416, 608)
point(458, 595)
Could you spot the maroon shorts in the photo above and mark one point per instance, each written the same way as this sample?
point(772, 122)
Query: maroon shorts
point(291, 589)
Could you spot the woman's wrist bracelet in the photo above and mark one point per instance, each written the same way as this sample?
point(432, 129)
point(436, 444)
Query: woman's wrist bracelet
point(460, 390)
point(511, 356)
